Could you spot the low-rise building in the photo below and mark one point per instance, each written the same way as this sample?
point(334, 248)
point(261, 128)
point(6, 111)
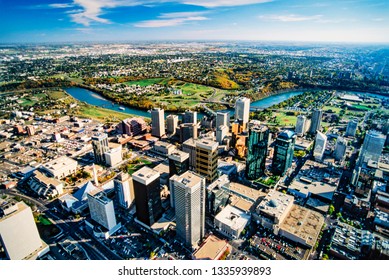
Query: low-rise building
point(60, 167)
point(45, 186)
point(231, 221)
point(212, 248)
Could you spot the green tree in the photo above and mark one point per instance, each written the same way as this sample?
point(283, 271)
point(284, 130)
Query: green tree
point(331, 209)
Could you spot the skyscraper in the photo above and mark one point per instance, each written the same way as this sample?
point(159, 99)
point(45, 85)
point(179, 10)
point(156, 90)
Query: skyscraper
point(222, 119)
point(372, 147)
point(257, 150)
point(242, 110)
point(317, 115)
point(320, 146)
point(206, 159)
point(178, 163)
point(124, 190)
point(147, 195)
point(172, 123)
point(221, 133)
point(190, 117)
point(300, 125)
point(283, 152)
point(100, 147)
point(189, 205)
point(157, 122)
point(187, 131)
point(19, 235)
point(351, 129)
point(340, 149)
point(101, 209)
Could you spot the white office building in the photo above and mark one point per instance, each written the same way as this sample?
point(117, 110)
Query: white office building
point(242, 109)
point(300, 125)
point(157, 122)
point(19, 235)
point(340, 149)
point(320, 146)
point(172, 123)
point(101, 209)
point(189, 200)
point(221, 133)
point(114, 156)
point(124, 189)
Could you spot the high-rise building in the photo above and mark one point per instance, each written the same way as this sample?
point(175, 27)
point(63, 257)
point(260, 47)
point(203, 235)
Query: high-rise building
point(190, 117)
point(147, 195)
point(222, 119)
point(300, 125)
point(372, 147)
point(124, 189)
point(351, 129)
point(157, 122)
point(242, 110)
point(172, 123)
point(189, 146)
point(187, 131)
point(283, 152)
point(178, 163)
point(101, 209)
point(206, 159)
point(189, 205)
point(320, 146)
point(257, 150)
point(340, 149)
point(100, 147)
point(317, 115)
point(19, 235)
point(221, 133)
point(113, 156)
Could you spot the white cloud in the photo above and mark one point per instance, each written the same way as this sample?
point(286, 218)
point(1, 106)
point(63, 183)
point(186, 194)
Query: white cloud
point(61, 6)
point(172, 19)
point(93, 10)
point(222, 3)
point(290, 18)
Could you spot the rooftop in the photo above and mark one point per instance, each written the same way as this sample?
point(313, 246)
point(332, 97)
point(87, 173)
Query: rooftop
point(286, 134)
point(189, 179)
point(60, 162)
point(303, 223)
point(46, 180)
point(206, 144)
point(145, 175)
point(211, 248)
point(178, 155)
point(246, 192)
point(275, 203)
point(318, 179)
point(233, 217)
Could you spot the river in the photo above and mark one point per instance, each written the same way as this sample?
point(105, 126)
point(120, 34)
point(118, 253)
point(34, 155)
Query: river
point(95, 99)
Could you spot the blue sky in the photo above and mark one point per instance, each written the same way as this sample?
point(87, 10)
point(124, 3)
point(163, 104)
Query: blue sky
point(125, 20)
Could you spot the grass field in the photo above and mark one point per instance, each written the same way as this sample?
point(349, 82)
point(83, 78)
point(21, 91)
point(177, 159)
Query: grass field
point(57, 95)
point(285, 120)
point(334, 109)
point(147, 82)
point(101, 114)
